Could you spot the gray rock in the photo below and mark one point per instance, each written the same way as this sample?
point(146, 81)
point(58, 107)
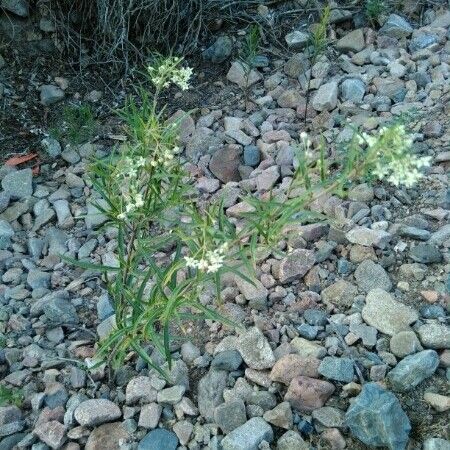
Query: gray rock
point(404, 343)
point(281, 416)
point(297, 40)
point(96, 411)
point(227, 360)
point(425, 254)
point(435, 335)
point(253, 292)
point(353, 90)
point(51, 146)
point(18, 184)
point(108, 436)
point(295, 265)
point(51, 94)
point(6, 233)
point(172, 395)
point(249, 435)
point(59, 311)
point(17, 7)
point(377, 419)
point(341, 293)
point(326, 97)
point(396, 27)
point(292, 441)
point(338, 369)
point(210, 392)
point(159, 439)
point(370, 275)
point(255, 349)
point(422, 41)
point(140, 389)
point(11, 420)
point(386, 314)
point(94, 217)
point(353, 41)
point(230, 415)
point(4, 200)
point(252, 155)
point(219, 51)
point(52, 433)
point(149, 416)
point(329, 417)
point(412, 370)
point(436, 444)
point(224, 164)
point(368, 237)
point(242, 75)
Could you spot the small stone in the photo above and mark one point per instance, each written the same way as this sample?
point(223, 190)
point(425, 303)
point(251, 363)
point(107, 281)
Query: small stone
point(253, 292)
point(326, 97)
point(434, 335)
point(389, 429)
point(297, 40)
point(338, 369)
point(230, 415)
point(296, 265)
point(183, 430)
point(334, 439)
point(292, 441)
point(386, 314)
point(255, 349)
point(229, 360)
point(412, 370)
point(219, 51)
point(52, 433)
point(436, 444)
point(292, 365)
point(440, 403)
point(11, 420)
point(17, 7)
point(109, 436)
point(352, 42)
point(51, 94)
point(370, 275)
point(149, 416)
point(307, 394)
point(96, 411)
point(425, 254)
point(305, 348)
point(368, 237)
point(248, 436)
point(396, 27)
point(242, 75)
point(280, 416)
point(159, 439)
point(353, 90)
point(225, 163)
point(51, 146)
point(329, 417)
point(252, 155)
point(210, 392)
point(171, 395)
point(18, 184)
point(341, 293)
point(266, 180)
point(404, 343)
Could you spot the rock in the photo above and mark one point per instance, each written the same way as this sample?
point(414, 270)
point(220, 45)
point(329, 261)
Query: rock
point(396, 27)
point(338, 369)
point(225, 163)
point(229, 360)
point(18, 184)
point(183, 430)
point(412, 370)
point(248, 436)
point(404, 343)
point(326, 97)
point(255, 349)
point(52, 433)
point(389, 429)
point(386, 314)
point(254, 293)
point(329, 417)
point(368, 237)
point(434, 335)
point(425, 254)
point(307, 394)
point(96, 411)
point(6, 233)
point(305, 348)
point(296, 265)
point(334, 438)
point(292, 365)
point(352, 42)
point(172, 395)
point(17, 7)
point(280, 416)
point(297, 40)
point(11, 420)
point(370, 275)
point(252, 155)
point(109, 436)
point(341, 293)
point(59, 311)
point(292, 441)
point(219, 51)
point(290, 98)
point(436, 444)
point(51, 94)
point(158, 439)
point(149, 416)
point(353, 90)
point(266, 180)
point(210, 392)
point(296, 65)
point(242, 75)
point(230, 415)
point(51, 146)
point(440, 403)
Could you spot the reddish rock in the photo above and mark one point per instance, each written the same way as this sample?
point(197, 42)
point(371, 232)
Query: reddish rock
point(291, 366)
point(51, 433)
point(107, 437)
point(307, 394)
point(334, 439)
point(225, 163)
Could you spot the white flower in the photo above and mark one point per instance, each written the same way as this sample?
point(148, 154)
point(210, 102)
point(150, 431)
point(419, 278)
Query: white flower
point(121, 216)
point(141, 161)
point(138, 201)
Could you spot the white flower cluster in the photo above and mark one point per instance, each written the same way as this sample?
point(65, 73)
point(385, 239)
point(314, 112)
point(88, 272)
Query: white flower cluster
point(395, 163)
point(167, 72)
point(211, 262)
point(165, 157)
point(306, 142)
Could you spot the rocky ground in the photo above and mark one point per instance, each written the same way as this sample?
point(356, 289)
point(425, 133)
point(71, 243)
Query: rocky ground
point(346, 341)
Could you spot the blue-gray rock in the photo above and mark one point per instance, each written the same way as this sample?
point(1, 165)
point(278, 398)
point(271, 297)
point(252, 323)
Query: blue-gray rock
point(4, 200)
point(307, 331)
point(413, 369)
point(219, 51)
point(432, 311)
point(370, 275)
point(377, 419)
point(210, 392)
point(425, 254)
point(338, 369)
point(59, 311)
point(51, 146)
point(422, 79)
point(104, 307)
point(252, 155)
point(51, 94)
point(315, 317)
point(422, 41)
point(159, 439)
point(18, 184)
point(396, 27)
point(6, 233)
point(414, 233)
point(297, 39)
point(436, 444)
point(17, 7)
point(227, 360)
point(9, 442)
point(353, 90)
point(230, 415)
point(249, 435)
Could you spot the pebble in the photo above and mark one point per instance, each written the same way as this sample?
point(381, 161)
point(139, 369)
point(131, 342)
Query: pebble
point(255, 349)
point(337, 369)
point(230, 415)
point(370, 275)
point(249, 435)
point(96, 412)
point(18, 184)
point(159, 439)
point(307, 394)
point(326, 97)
